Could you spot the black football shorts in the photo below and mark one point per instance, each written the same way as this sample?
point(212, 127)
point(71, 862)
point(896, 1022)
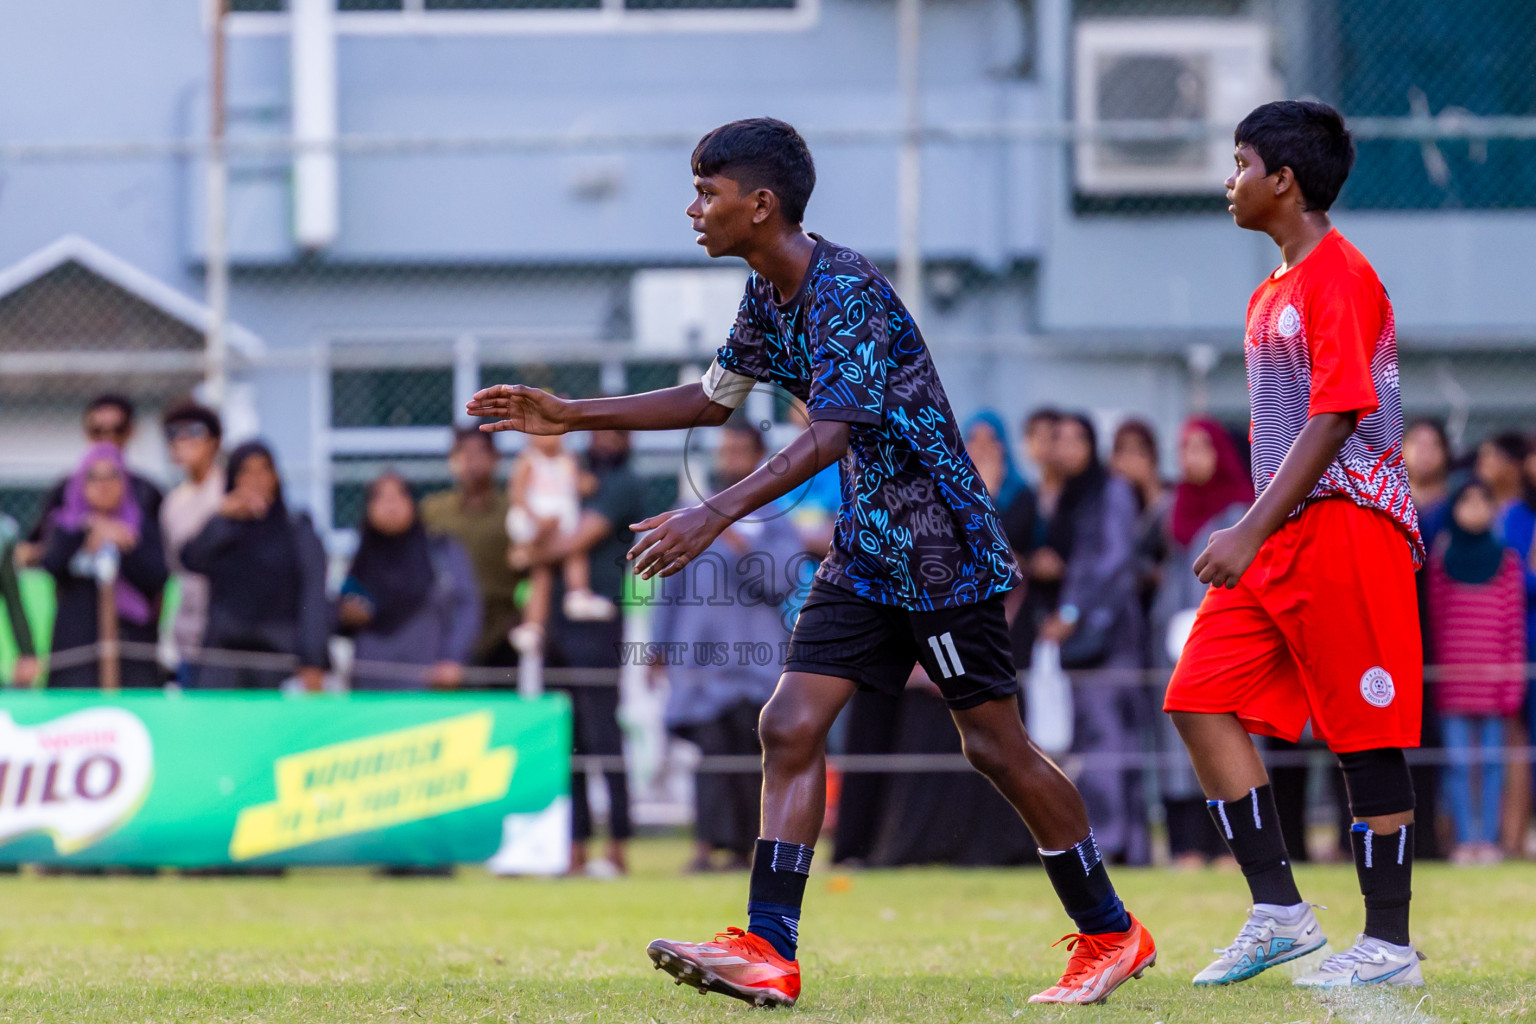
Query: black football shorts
point(964, 650)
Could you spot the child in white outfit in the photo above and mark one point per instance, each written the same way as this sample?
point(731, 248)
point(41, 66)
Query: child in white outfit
point(544, 495)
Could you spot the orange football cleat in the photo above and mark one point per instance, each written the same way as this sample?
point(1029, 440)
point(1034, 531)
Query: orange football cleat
point(1100, 964)
point(736, 964)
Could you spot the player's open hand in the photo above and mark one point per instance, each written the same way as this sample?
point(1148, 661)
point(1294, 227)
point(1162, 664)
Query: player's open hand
point(521, 408)
point(673, 539)
point(1226, 557)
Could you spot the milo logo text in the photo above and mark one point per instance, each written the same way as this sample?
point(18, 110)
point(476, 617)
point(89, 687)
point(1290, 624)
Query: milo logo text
point(76, 778)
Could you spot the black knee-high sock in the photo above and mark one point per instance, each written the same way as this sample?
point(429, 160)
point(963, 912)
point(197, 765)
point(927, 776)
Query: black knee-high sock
point(1384, 863)
point(777, 889)
point(1251, 827)
point(1082, 884)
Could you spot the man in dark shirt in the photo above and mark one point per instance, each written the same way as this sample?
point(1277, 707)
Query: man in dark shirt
point(475, 514)
point(604, 536)
point(917, 571)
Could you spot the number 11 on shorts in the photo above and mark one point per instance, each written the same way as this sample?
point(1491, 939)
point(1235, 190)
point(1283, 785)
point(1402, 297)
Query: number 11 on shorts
point(951, 667)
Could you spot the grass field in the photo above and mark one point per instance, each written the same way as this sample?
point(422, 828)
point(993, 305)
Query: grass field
point(919, 945)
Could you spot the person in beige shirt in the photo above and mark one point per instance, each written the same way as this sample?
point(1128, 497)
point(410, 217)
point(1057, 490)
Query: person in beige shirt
point(475, 514)
point(193, 435)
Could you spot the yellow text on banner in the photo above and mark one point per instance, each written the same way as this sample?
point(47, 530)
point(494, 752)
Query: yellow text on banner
point(374, 782)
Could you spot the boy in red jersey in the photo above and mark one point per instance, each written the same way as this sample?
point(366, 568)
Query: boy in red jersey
point(1312, 611)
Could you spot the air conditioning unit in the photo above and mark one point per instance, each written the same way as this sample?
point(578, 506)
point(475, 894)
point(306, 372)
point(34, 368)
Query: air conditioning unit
point(685, 313)
point(1178, 73)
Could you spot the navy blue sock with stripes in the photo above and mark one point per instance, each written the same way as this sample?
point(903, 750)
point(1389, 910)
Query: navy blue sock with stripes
point(1384, 864)
point(1082, 884)
point(777, 889)
point(1251, 827)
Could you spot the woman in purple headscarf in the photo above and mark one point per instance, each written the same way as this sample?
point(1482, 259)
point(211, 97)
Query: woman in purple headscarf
point(99, 522)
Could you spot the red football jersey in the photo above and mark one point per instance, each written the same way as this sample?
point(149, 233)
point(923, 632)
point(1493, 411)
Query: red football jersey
point(1321, 339)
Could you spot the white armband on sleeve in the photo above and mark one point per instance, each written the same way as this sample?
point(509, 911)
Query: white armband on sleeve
point(726, 388)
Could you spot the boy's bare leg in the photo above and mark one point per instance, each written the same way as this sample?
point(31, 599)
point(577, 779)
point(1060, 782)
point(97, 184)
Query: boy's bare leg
point(1236, 784)
point(998, 746)
point(1226, 762)
point(793, 729)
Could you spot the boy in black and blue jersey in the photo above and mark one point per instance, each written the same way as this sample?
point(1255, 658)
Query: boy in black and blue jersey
point(916, 573)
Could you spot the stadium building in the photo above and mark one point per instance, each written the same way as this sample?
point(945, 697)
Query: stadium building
point(493, 190)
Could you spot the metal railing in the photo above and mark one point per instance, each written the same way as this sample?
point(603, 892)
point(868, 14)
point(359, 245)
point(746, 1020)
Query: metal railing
point(511, 679)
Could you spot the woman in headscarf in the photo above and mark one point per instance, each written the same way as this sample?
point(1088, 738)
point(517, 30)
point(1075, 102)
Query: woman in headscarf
point(1098, 623)
point(409, 600)
point(266, 582)
point(98, 523)
point(986, 440)
point(1133, 458)
point(1477, 627)
point(1213, 492)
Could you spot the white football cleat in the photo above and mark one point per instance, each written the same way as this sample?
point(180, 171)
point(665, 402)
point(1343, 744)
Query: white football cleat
point(1368, 962)
point(1273, 935)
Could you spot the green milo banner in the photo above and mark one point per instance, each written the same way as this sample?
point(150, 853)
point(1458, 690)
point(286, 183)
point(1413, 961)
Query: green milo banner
point(225, 779)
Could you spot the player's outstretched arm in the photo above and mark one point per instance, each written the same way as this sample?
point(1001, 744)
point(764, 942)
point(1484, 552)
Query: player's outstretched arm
point(1231, 552)
point(679, 536)
point(533, 411)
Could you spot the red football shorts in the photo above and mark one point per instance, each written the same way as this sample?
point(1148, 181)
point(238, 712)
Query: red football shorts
point(1324, 625)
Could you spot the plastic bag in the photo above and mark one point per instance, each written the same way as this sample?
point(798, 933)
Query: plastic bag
point(1179, 628)
point(1048, 700)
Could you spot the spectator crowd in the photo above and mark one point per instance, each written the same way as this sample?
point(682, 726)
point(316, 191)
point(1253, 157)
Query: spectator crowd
point(489, 574)
point(478, 577)
point(1108, 549)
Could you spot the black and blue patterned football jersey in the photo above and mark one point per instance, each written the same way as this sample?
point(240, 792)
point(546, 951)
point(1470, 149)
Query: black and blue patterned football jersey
point(916, 527)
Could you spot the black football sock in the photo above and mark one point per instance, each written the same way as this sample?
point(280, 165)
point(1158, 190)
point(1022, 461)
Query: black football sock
point(1384, 862)
point(1083, 886)
point(777, 889)
point(1251, 827)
